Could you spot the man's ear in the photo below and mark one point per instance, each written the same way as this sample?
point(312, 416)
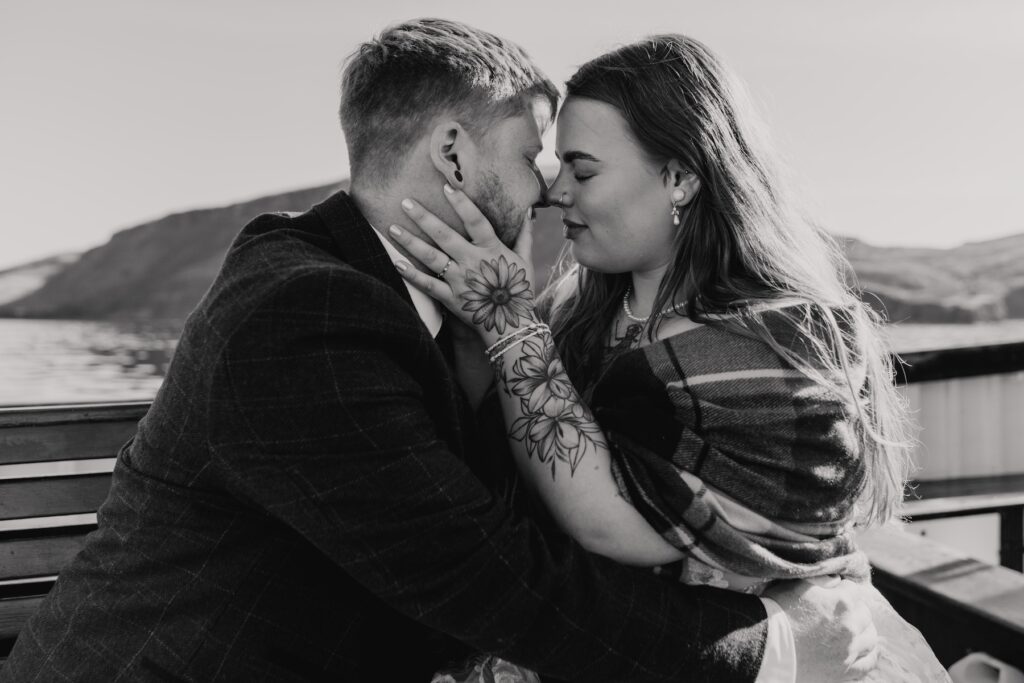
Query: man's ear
point(449, 144)
point(681, 180)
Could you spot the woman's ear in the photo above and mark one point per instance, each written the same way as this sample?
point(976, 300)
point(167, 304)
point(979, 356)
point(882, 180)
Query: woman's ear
point(681, 182)
point(449, 144)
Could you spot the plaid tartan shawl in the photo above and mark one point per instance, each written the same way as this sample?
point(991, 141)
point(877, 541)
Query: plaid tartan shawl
point(735, 457)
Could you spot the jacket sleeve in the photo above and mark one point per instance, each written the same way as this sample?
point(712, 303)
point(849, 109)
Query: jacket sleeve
point(320, 422)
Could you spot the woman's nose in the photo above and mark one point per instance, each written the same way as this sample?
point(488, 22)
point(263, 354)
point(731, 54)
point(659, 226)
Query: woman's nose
point(559, 198)
point(553, 197)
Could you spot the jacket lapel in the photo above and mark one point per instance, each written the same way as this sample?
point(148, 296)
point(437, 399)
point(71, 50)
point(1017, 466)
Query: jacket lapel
point(359, 246)
point(357, 242)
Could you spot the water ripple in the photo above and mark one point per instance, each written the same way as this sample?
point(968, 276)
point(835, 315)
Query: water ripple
point(74, 361)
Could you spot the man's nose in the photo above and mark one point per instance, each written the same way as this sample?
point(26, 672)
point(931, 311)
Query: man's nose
point(543, 184)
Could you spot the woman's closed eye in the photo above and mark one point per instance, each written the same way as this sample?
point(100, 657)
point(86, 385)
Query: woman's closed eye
point(581, 173)
point(578, 162)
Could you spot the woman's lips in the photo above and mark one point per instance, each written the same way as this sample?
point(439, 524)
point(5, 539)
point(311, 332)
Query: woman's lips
point(571, 230)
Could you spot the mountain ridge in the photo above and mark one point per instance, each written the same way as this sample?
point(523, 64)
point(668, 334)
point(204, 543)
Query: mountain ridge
point(160, 269)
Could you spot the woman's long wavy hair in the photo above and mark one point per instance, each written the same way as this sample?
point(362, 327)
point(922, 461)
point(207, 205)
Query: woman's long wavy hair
point(740, 241)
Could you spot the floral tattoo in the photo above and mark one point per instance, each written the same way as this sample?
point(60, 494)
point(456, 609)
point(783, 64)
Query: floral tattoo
point(499, 295)
point(554, 426)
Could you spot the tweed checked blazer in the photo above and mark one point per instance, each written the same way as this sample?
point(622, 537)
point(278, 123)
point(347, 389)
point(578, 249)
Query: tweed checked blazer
point(300, 504)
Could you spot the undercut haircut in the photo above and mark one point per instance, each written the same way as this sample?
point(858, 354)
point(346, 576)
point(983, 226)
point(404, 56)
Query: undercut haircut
point(394, 86)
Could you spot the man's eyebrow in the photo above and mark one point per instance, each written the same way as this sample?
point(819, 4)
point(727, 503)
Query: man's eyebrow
point(575, 155)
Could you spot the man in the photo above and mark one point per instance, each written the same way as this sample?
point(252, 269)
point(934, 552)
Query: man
point(301, 501)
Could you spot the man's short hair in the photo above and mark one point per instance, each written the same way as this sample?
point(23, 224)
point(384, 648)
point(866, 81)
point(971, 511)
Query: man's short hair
point(395, 85)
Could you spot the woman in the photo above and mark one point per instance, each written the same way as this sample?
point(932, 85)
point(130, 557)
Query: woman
point(710, 398)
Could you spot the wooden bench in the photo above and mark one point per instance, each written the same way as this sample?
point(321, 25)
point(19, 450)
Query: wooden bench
point(958, 603)
point(55, 464)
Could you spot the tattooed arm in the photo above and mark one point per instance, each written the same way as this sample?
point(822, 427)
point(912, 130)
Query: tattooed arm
point(558, 447)
point(561, 452)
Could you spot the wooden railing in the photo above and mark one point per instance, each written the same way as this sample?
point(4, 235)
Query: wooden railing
point(967, 403)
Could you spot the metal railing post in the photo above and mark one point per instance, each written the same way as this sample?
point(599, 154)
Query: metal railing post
point(1011, 537)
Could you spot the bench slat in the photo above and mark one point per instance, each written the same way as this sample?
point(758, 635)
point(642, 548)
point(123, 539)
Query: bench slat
point(46, 443)
point(998, 591)
point(39, 555)
point(1008, 483)
point(67, 414)
point(961, 505)
point(21, 498)
point(14, 612)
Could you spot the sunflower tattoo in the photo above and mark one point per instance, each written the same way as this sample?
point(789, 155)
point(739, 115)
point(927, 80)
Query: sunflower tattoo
point(498, 295)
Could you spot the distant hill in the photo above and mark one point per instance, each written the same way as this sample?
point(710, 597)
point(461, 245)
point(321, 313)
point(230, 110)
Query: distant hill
point(22, 280)
point(977, 281)
point(160, 269)
point(157, 270)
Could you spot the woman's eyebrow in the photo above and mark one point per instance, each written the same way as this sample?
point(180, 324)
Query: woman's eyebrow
point(575, 155)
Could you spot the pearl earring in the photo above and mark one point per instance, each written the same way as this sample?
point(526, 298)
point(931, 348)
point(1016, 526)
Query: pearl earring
point(677, 197)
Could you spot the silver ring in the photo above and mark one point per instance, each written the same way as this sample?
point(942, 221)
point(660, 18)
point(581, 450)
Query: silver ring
point(561, 199)
point(445, 269)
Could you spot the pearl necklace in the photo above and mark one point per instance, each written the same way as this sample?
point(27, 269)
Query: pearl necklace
point(629, 312)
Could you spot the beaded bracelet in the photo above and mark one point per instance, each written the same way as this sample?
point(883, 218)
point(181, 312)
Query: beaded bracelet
point(516, 342)
point(512, 336)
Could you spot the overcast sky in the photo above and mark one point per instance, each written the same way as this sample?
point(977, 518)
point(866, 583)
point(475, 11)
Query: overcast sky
point(902, 119)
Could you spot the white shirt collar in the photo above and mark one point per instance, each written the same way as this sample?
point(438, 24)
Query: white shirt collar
point(428, 309)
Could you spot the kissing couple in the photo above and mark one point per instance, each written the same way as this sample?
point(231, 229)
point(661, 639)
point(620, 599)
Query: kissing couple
point(383, 452)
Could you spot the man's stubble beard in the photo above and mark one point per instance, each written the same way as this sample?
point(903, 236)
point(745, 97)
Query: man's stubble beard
point(502, 213)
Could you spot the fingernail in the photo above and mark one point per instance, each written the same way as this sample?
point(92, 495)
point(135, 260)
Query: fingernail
point(402, 266)
point(407, 204)
point(395, 230)
point(448, 189)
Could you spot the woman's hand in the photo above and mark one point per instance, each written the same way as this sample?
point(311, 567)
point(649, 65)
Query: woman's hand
point(833, 630)
point(484, 283)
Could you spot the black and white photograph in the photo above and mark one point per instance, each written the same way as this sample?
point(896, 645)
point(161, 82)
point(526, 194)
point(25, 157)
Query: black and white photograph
point(480, 342)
